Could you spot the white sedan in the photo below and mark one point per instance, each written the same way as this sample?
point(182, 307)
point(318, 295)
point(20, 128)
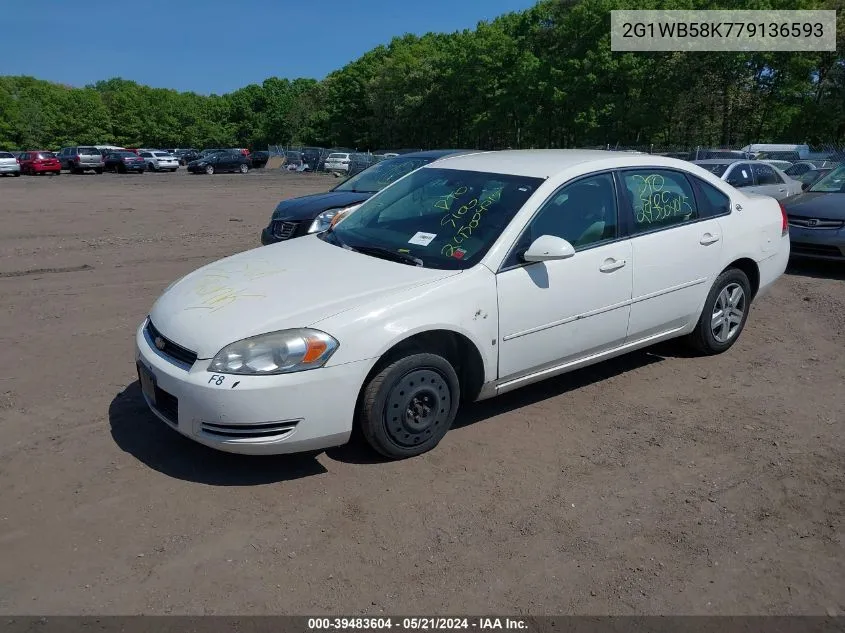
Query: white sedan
point(159, 161)
point(463, 280)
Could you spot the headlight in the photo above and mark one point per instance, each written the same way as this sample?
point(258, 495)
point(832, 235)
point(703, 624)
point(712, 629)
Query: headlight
point(325, 220)
point(275, 353)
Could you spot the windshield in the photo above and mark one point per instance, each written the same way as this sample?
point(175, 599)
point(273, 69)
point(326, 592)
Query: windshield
point(377, 177)
point(444, 218)
point(717, 169)
point(834, 182)
point(161, 154)
point(338, 155)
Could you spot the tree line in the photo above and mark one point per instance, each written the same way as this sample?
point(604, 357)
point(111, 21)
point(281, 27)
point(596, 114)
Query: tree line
point(543, 77)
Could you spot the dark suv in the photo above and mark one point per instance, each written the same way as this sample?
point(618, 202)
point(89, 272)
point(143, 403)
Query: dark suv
point(79, 159)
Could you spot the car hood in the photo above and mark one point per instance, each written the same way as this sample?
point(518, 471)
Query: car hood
point(286, 285)
point(309, 207)
point(816, 204)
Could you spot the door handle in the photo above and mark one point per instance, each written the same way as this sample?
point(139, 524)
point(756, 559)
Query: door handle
point(610, 265)
point(708, 238)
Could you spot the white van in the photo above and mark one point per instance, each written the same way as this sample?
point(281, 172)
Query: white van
point(773, 149)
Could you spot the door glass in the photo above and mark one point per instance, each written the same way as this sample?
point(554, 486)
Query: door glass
point(766, 175)
point(660, 198)
point(740, 176)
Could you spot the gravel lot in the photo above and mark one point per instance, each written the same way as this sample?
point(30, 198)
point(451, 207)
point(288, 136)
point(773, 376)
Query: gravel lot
point(652, 484)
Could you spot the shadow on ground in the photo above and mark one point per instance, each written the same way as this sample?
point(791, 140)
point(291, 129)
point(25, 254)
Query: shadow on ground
point(357, 451)
point(816, 269)
point(138, 432)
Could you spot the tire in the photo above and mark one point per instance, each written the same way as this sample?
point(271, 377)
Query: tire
point(243, 168)
point(409, 387)
point(120, 169)
point(98, 170)
point(17, 174)
point(729, 297)
point(209, 169)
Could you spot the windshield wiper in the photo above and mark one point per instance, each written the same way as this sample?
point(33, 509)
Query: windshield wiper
point(386, 253)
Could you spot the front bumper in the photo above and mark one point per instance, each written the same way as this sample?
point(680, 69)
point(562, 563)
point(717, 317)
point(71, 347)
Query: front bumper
point(827, 244)
point(255, 415)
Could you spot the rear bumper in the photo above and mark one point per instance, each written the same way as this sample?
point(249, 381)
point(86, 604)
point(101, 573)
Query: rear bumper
point(9, 169)
point(823, 244)
point(46, 168)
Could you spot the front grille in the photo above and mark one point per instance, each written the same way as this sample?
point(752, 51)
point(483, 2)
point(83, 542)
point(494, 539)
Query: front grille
point(802, 248)
point(263, 431)
point(283, 229)
point(814, 223)
point(169, 348)
point(167, 405)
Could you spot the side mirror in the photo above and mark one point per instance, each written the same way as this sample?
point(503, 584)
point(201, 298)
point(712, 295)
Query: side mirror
point(548, 247)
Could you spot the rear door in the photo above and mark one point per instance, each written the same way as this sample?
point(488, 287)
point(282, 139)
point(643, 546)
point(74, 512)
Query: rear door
point(768, 182)
point(676, 250)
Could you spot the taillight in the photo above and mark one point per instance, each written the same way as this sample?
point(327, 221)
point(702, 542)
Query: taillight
point(784, 227)
point(77, 158)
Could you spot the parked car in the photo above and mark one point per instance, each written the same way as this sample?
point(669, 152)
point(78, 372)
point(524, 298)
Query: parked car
point(9, 164)
point(79, 159)
point(311, 156)
point(709, 154)
point(38, 161)
point(125, 161)
point(465, 280)
point(811, 177)
point(296, 217)
point(185, 156)
point(800, 167)
point(226, 160)
point(780, 164)
point(754, 176)
point(338, 162)
point(159, 161)
point(817, 218)
point(259, 159)
point(293, 159)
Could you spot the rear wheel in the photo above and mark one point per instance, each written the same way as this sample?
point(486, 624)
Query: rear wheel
point(17, 174)
point(724, 315)
point(98, 170)
point(409, 405)
point(209, 169)
point(244, 168)
point(121, 169)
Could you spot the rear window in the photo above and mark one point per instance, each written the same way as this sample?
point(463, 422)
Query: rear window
point(89, 151)
point(6, 155)
point(338, 155)
point(46, 155)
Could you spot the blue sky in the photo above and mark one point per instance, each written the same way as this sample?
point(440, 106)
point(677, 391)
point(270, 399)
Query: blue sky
point(216, 45)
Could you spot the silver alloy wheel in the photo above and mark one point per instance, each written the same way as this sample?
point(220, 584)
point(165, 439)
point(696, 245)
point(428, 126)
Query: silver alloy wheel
point(244, 169)
point(209, 169)
point(728, 312)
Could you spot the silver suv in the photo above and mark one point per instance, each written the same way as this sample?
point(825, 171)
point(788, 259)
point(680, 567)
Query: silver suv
point(80, 159)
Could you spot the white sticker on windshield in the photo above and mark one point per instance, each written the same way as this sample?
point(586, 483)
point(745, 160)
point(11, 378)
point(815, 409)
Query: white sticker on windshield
point(422, 239)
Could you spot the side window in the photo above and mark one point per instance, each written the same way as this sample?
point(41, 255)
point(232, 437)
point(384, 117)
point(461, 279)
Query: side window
point(740, 176)
point(583, 213)
point(660, 198)
point(712, 201)
point(766, 175)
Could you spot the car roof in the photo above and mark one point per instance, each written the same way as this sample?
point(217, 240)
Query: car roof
point(544, 163)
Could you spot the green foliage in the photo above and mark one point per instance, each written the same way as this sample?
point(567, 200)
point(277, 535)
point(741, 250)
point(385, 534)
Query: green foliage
point(544, 77)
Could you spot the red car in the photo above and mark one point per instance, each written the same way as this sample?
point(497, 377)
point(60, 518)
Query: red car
point(38, 161)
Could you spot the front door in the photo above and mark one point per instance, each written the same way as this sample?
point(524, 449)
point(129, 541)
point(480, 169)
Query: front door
point(556, 311)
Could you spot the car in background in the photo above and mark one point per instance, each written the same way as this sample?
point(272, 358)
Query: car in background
point(159, 161)
point(338, 162)
point(81, 158)
point(259, 159)
point(798, 168)
point(293, 159)
point(780, 164)
point(38, 161)
point(9, 164)
point(185, 156)
point(124, 161)
point(301, 216)
point(753, 176)
point(466, 279)
point(812, 176)
point(220, 161)
point(817, 219)
point(709, 154)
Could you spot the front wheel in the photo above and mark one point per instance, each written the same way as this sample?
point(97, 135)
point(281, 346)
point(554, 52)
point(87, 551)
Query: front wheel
point(724, 315)
point(17, 174)
point(209, 169)
point(244, 168)
point(98, 170)
point(409, 405)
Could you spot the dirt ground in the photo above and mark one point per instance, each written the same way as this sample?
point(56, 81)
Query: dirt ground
point(655, 484)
